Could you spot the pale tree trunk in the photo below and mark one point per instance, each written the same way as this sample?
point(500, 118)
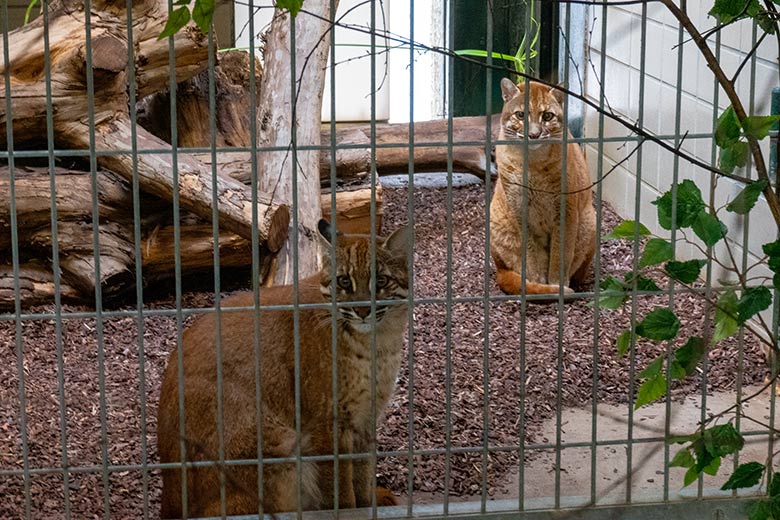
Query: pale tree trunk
point(280, 109)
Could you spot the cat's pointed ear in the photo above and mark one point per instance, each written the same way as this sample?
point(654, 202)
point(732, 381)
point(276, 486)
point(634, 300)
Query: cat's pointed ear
point(325, 228)
point(557, 93)
point(398, 242)
point(508, 89)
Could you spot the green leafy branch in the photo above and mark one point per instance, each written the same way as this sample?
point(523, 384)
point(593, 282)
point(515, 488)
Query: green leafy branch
point(520, 59)
point(203, 14)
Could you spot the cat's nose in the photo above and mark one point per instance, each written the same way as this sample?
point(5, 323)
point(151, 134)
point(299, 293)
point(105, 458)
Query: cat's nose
point(362, 312)
point(534, 132)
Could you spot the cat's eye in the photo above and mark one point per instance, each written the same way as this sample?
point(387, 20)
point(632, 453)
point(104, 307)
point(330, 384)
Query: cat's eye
point(547, 116)
point(519, 114)
point(344, 282)
point(382, 281)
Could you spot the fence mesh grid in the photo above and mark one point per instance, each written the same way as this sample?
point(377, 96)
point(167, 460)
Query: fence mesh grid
point(30, 493)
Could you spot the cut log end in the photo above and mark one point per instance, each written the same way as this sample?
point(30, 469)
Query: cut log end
point(278, 228)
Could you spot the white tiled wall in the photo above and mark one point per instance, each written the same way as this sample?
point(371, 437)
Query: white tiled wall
point(620, 45)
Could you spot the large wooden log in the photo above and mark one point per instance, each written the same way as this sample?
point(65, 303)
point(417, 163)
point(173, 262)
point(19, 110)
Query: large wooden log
point(353, 163)
point(232, 106)
point(289, 113)
point(98, 118)
point(36, 286)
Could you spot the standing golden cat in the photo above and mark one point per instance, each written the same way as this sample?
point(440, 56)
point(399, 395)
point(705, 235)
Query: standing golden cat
point(356, 422)
point(543, 194)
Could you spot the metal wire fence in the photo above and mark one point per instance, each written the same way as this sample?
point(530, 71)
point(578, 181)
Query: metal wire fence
point(481, 422)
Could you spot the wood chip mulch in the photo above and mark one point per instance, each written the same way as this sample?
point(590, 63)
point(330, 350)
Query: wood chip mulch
point(473, 376)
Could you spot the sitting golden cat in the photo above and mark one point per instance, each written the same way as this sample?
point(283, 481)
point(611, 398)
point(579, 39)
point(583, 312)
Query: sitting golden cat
point(542, 242)
point(357, 328)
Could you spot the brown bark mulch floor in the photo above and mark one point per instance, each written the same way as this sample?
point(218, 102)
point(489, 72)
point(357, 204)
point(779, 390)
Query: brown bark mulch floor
point(130, 408)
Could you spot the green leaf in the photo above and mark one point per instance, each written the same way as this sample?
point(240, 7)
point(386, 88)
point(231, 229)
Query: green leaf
point(753, 301)
point(713, 466)
point(612, 301)
point(689, 205)
point(657, 250)
point(759, 126)
point(687, 357)
point(651, 390)
point(725, 316)
point(690, 476)
point(747, 198)
point(733, 156)
point(683, 459)
point(685, 272)
point(646, 284)
point(728, 129)
point(708, 228)
point(176, 20)
point(760, 511)
point(624, 342)
point(294, 6)
point(627, 229)
point(766, 22)
point(723, 440)
point(745, 476)
point(653, 369)
point(203, 14)
point(728, 10)
point(774, 485)
point(772, 250)
point(660, 324)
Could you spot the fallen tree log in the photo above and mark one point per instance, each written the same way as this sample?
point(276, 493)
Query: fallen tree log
point(82, 108)
point(36, 286)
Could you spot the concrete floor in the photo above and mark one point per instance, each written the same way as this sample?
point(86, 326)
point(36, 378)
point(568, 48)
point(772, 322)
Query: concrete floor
point(647, 477)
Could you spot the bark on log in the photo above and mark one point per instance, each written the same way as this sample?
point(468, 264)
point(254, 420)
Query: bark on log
point(232, 105)
point(36, 286)
point(393, 145)
point(291, 113)
point(353, 210)
point(77, 261)
point(353, 164)
point(110, 123)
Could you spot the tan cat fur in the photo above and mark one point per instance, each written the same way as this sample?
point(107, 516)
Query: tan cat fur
point(356, 423)
point(544, 171)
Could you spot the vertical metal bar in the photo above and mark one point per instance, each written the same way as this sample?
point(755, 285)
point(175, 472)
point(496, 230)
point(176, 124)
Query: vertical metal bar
point(745, 249)
point(486, 277)
point(563, 280)
point(217, 277)
point(15, 265)
point(597, 260)
point(635, 262)
point(137, 238)
point(256, 343)
point(372, 254)
point(295, 258)
point(55, 260)
point(410, 261)
point(177, 268)
point(448, 309)
point(333, 268)
point(676, 171)
point(708, 283)
point(523, 300)
point(96, 257)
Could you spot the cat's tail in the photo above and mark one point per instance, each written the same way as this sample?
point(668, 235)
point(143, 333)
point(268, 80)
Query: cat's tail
point(512, 283)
